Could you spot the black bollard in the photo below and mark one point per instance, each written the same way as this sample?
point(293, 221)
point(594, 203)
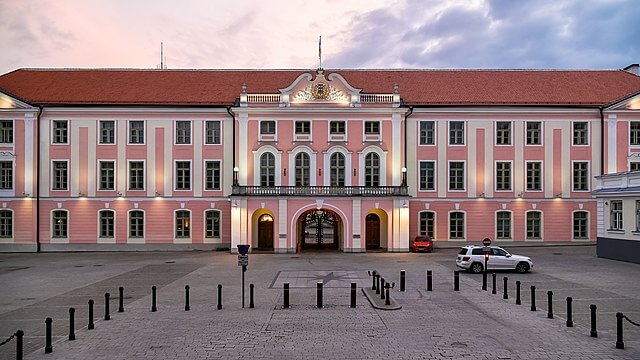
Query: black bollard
point(353, 294)
point(493, 284)
point(187, 307)
point(533, 298)
point(382, 287)
point(518, 301)
point(48, 349)
point(377, 276)
point(505, 295)
point(154, 308)
point(456, 280)
point(251, 304)
point(388, 300)
point(121, 299)
point(106, 306)
point(550, 304)
point(594, 332)
point(403, 275)
point(90, 326)
point(219, 296)
point(429, 280)
point(286, 296)
point(619, 334)
point(484, 280)
point(72, 325)
point(19, 344)
point(569, 312)
point(319, 294)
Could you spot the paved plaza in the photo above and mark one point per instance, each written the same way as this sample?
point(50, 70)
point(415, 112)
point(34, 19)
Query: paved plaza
point(438, 324)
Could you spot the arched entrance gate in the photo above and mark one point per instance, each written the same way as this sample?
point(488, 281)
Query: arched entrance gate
point(319, 229)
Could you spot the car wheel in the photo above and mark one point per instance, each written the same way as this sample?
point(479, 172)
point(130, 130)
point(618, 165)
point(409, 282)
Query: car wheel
point(522, 267)
point(476, 268)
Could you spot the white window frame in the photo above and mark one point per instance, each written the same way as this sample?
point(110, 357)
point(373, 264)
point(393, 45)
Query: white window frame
point(464, 178)
point(268, 137)
point(144, 129)
point(495, 176)
point(175, 175)
point(541, 132)
point(144, 174)
point(435, 176)
point(52, 175)
point(115, 133)
point(495, 133)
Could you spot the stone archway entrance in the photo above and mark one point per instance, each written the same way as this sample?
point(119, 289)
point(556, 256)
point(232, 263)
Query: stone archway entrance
point(319, 229)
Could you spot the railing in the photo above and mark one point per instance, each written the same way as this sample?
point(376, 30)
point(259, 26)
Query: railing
point(320, 190)
point(263, 98)
point(376, 98)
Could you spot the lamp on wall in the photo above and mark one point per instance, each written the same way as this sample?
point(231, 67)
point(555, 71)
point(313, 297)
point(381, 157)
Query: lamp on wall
point(236, 170)
point(404, 176)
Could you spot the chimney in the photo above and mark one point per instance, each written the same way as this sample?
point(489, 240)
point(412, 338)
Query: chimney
point(633, 68)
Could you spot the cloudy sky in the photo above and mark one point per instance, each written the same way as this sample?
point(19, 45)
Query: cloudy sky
point(355, 34)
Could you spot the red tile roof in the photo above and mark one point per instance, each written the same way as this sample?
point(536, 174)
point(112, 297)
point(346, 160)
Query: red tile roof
point(222, 87)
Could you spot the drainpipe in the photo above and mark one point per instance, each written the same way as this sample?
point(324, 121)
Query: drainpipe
point(40, 108)
point(601, 140)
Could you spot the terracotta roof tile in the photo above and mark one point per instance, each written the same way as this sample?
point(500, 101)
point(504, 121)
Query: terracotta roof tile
point(222, 87)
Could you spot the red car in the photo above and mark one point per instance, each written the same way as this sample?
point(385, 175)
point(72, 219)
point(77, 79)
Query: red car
point(421, 243)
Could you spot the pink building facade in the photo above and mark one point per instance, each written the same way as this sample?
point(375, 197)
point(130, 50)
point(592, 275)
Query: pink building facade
point(286, 161)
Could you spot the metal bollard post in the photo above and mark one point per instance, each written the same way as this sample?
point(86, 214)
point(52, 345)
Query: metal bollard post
point(533, 298)
point(19, 344)
point(382, 287)
point(493, 284)
point(619, 332)
point(518, 301)
point(388, 300)
point(429, 280)
point(594, 332)
point(219, 296)
point(251, 304)
point(484, 280)
point(403, 275)
point(505, 295)
point(569, 312)
point(456, 280)
point(72, 325)
point(90, 326)
point(48, 349)
point(121, 299)
point(353, 294)
point(187, 307)
point(319, 294)
point(154, 308)
point(286, 295)
point(377, 276)
point(550, 304)
point(107, 316)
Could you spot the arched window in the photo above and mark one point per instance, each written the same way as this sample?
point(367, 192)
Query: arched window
point(60, 220)
point(183, 224)
point(302, 169)
point(6, 223)
point(136, 224)
point(107, 220)
point(267, 170)
point(456, 225)
point(428, 223)
point(580, 225)
point(534, 225)
point(372, 170)
point(212, 221)
point(337, 170)
point(503, 225)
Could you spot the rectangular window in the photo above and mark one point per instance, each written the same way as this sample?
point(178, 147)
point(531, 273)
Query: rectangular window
point(303, 127)
point(6, 131)
point(107, 175)
point(213, 224)
point(136, 132)
point(456, 225)
point(107, 223)
point(580, 176)
point(534, 176)
point(427, 224)
point(503, 225)
point(534, 224)
point(580, 225)
point(183, 175)
point(634, 133)
point(427, 132)
point(6, 224)
point(107, 132)
point(136, 224)
point(534, 133)
point(337, 127)
point(456, 133)
point(503, 133)
point(267, 128)
point(213, 132)
point(6, 175)
point(136, 175)
point(60, 179)
point(60, 220)
point(60, 131)
point(427, 175)
point(212, 175)
point(634, 166)
point(615, 215)
point(503, 176)
point(183, 132)
point(372, 128)
point(456, 175)
point(580, 133)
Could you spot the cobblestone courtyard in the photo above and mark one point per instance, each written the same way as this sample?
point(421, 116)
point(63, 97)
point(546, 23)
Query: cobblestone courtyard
point(440, 324)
